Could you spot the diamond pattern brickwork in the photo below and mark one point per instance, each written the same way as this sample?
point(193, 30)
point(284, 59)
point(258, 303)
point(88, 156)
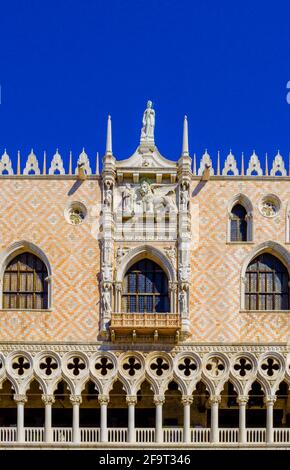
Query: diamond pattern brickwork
point(33, 210)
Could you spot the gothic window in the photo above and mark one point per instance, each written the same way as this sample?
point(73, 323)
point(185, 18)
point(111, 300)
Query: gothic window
point(24, 284)
point(239, 225)
point(145, 289)
point(266, 284)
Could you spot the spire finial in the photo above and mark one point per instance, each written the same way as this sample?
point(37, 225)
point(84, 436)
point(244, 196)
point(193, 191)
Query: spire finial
point(243, 165)
point(194, 164)
point(97, 164)
point(18, 163)
point(266, 166)
point(70, 163)
point(218, 164)
point(185, 152)
point(109, 137)
point(44, 162)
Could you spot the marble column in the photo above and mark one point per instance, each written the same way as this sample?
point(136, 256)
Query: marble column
point(214, 429)
point(48, 401)
point(131, 401)
point(158, 400)
point(269, 401)
point(242, 401)
point(20, 400)
point(76, 401)
point(186, 401)
point(104, 400)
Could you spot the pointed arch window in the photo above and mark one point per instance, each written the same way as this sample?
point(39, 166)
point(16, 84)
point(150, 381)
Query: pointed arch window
point(24, 284)
point(267, 284)
point(145, 289)
point(239, 224)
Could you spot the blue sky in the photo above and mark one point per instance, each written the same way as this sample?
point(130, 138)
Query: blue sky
point(64, 65)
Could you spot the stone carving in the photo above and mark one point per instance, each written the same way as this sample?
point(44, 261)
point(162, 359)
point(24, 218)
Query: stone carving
point(183, 301)
point(270, 206)
point(184, 271)
point(106, 299)
point(56, 165)
point(230, 165)
point(205, 162)
point(171, 253)
point(184, 199)
point(107, 272)
point(278, 166)
point(31, 165)
point(128, 199)
point(108, 198)
point(147, 131)
point(121, 252)
point(254, 165)
point(85, 162)
point(5, 164)
point(156, 197)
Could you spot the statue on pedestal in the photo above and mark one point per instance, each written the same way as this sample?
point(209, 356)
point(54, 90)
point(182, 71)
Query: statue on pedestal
point(147, 131)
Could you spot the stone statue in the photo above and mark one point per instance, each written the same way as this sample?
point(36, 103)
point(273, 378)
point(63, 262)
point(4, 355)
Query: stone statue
point(156, 197)
point(128, 199)
point(183, 301)
point(147, 131)
point(106, 299)
point(108, 197)
point(184, 200)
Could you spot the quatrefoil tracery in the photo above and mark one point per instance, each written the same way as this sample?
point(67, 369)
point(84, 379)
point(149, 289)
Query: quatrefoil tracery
point(159, 366)
point(270, 366)
point(104, 365)
point(243, 366)
point(132, 366)
point(187, 366)
point(48, 365)
point(76, 365)
point(20, 365)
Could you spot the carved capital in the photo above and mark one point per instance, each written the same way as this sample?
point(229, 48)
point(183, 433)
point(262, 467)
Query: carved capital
point(20, 398)
point(172, 286)
point(159, 399)
point(270, 400)
point(103, 399)
point(187, 399)
point(48, 399)
point(214, 399)
point(131, 399)
point(76, 399)
point(242, 399)
point(118, 286)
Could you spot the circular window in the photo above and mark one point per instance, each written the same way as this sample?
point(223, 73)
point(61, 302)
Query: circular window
point(75, 213)
point(270, 206)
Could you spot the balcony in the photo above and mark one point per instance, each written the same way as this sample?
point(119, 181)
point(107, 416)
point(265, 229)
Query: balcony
point(155, 325)
point(198, 437)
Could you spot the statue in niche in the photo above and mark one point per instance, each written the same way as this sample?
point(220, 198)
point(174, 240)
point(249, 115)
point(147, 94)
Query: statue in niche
point(108, 198)
point(106, 299)
point(183, 301)
point(148, 121)
point(184, 198)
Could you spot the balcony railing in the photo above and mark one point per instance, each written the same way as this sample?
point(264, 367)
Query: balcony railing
point(145, 321)
point(145, 436)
